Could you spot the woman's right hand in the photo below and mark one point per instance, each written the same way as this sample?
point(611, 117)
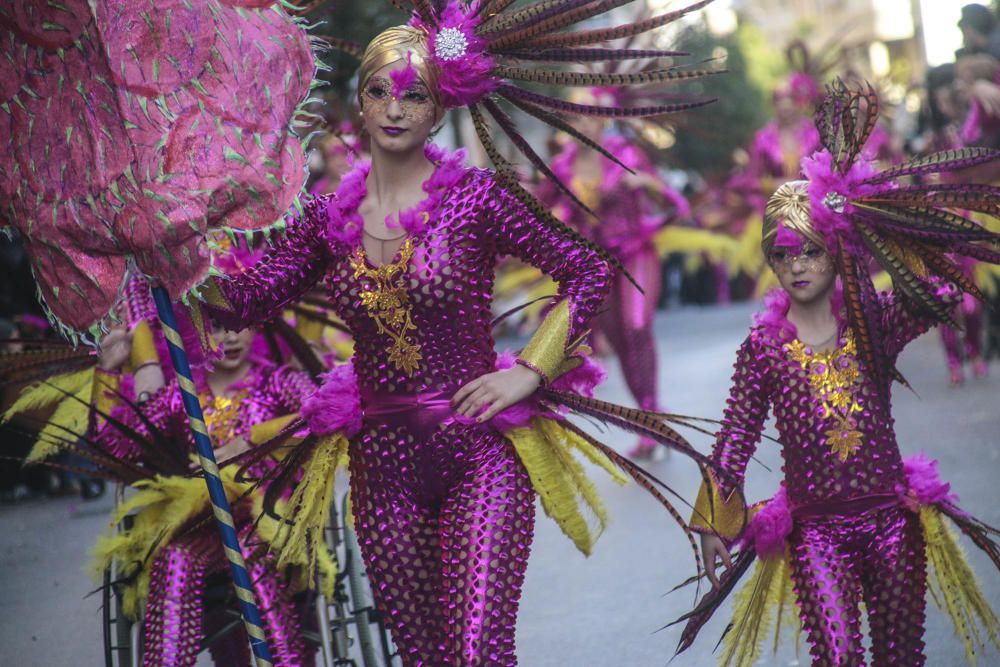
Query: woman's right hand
point(713, 549)
point(115, 349)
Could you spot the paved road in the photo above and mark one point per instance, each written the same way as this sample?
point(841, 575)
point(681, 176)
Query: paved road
point(598, 612)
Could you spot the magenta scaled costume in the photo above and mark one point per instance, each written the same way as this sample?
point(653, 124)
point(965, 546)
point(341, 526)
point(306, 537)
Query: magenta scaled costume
point(852, 522)
point(180, 568)
point(627, 219)
point(444, 508)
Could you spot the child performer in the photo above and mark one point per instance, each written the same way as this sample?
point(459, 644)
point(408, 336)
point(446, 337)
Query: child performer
point(853, 521)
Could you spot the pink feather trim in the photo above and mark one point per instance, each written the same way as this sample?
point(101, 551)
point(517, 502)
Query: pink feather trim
point(582, 380)
point(773, 319)
point(465, 74)
point(336, 405)
point(824, 179)
point(771, 526)
point(923, 484)
point(345, 222)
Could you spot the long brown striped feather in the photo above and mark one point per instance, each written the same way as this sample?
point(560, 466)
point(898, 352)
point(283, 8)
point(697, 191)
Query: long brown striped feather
point(591, 79)
point(594, 36)
point(642, 478)
point(903, 278)
point(712, 601)
point(558, 123)
point(950, 160)
point(511, 91)
point(508, 179)
point(941, 266)
point(519, 38)
point(856, 313)
point(925, 216)
point(507, 124)
point(526, 15)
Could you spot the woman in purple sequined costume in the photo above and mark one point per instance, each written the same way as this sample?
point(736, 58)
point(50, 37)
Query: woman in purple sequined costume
point(630, 209)
point(238, 393)
point(406, 249)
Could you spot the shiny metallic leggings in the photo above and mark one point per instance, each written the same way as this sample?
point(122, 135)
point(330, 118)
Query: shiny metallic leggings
point(444, 516)
point(877, 558)
point(175, 623)
point(628, 325)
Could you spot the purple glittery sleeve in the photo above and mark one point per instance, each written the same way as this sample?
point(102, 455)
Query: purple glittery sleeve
point(298, 260)
point(746, 410)
point(158, 414)
point(584, 276)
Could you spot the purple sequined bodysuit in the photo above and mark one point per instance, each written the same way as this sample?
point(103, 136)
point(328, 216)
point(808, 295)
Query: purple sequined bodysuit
point(174, 620)
point(852, 540)
point(444, 510)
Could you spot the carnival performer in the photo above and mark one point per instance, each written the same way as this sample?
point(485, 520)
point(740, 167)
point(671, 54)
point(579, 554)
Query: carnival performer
point(445, 452)
point(853, 522)
point(626, 211)
point(170, 552)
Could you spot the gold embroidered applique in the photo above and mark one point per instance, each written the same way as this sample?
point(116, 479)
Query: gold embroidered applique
point(835, 380)
point(221, 413)
point(385, 298)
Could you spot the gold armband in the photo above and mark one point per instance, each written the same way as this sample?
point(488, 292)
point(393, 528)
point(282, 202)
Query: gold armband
point(546, 352)
point(143, 347)
point(713, 514)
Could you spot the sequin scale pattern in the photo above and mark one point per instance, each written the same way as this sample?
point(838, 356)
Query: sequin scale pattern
point(174, 611)
point(840, 556)
point(444, 511)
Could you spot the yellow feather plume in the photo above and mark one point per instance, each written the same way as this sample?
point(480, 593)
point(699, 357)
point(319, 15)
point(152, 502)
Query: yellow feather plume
point(954, 586)
point(767, 599)
point(298, 540)
point(163, 507)
point(70, 393)
point(546, 450)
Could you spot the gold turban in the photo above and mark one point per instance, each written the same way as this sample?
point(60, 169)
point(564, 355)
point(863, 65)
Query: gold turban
point(790, 205)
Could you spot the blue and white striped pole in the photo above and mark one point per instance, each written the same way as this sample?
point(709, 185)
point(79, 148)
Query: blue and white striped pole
point(220, 504)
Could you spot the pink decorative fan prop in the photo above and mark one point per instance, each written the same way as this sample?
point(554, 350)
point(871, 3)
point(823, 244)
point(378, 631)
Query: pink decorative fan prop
point(133, 128)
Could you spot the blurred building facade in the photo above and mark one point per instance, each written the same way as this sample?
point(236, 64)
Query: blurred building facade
point(882, 37)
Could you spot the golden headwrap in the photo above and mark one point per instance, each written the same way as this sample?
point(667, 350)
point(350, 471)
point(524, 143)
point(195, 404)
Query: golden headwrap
point(395, 44)
point(790, 205)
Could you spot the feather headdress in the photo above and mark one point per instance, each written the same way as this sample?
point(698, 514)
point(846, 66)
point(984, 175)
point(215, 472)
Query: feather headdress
point(912, 231)
point(480, 53)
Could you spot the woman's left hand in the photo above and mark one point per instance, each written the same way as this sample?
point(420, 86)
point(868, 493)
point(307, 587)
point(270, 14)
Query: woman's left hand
point(495, 392)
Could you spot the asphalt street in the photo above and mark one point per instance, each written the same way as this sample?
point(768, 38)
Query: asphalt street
point(602, 611)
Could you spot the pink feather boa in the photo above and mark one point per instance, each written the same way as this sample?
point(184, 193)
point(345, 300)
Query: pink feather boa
point(465, 76)
point(769, 528)
point(336, 405)
point(344, 219)
point(923, 484)
point(773, 319)
point(581, 380)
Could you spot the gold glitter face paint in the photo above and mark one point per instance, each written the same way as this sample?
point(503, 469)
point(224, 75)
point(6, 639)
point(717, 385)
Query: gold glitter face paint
point(416, 102)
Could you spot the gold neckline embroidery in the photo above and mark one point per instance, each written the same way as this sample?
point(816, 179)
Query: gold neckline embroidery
point(221, 414)
point(385, 298)
point(834, 380)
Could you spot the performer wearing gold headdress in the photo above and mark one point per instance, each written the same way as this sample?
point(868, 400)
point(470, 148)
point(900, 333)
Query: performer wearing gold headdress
point(853, 522)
